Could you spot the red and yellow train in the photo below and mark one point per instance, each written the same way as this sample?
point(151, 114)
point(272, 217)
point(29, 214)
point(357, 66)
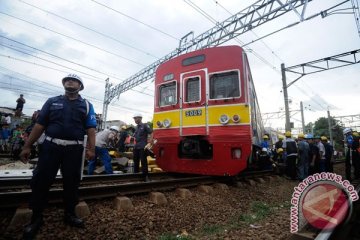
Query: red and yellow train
point(206, 114)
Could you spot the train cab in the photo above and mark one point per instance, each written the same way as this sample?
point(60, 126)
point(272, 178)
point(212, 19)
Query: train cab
point(206, 115)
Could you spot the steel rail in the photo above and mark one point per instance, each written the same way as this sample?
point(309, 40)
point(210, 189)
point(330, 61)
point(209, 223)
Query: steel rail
point(94, 187)
point(14, 199)
point(24, 182)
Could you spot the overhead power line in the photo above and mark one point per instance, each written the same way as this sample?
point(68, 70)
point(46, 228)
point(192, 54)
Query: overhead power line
point(45, 94)
point(90, 29)
point(63, 59)
point(75, 39)
point(58, 64)
point(136, 20)
point(211, 19)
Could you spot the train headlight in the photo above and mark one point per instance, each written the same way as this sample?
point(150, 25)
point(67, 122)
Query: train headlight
point(167, 123)
point(236, 153)
point(224, 119)
point(236, 118)
point(159, 124)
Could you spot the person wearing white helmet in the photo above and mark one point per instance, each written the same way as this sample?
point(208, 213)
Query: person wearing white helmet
point(65, 120)
point(104, 139)
point(73, 83)
point(143, 135)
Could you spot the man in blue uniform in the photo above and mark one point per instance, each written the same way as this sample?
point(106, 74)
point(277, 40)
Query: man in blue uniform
point(348, 141)
point(65, 120)
point(143, 135)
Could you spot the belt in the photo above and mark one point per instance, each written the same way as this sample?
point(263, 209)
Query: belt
point(64, 142)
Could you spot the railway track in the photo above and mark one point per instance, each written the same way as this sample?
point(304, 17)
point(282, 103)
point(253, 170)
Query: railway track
point(16, 192)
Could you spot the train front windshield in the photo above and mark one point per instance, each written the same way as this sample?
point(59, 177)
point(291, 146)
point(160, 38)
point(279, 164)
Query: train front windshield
point(167, 94)
point(224, 85)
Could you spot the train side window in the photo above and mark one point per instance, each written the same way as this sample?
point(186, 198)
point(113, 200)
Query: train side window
point(192, 93)
point(224, 85)
point(167, 94)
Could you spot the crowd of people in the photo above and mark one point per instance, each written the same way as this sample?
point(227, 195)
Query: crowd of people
point(11, 140)
point(307, 154)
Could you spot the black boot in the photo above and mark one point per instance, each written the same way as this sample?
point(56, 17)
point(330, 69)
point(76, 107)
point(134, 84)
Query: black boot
point(72, 220)
point(33, 227)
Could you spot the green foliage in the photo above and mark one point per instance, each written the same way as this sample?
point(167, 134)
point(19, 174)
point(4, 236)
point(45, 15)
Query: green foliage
point(259, 210)
point(321, 128)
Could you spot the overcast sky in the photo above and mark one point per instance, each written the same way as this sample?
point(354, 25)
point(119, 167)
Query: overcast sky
point(116, 39)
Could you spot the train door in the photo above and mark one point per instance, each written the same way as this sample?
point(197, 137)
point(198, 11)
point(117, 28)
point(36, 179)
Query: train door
point(193, 103)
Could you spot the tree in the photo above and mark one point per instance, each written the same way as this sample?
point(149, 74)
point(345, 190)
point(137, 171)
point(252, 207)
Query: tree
point(321, 128)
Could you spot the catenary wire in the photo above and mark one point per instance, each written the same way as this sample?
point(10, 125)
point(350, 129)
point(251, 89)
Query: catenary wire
point(72, 38)
point(136, 20)
point(55, 56)
point(90, 29)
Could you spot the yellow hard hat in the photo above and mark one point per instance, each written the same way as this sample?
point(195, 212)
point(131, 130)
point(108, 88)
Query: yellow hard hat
point(288, 134)
point(355, 134)
point(265, 137)
point(280, 150)
point(123, 127)
point(301, 135)
point(281, 137)
point(323, 138)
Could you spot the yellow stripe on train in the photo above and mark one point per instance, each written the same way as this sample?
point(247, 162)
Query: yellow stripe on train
point(197, 116)
point(239, 109)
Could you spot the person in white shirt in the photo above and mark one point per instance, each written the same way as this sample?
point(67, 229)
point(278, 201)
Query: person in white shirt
point(321, 153)
point(103, 139)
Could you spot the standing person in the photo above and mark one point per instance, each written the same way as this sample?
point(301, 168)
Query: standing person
point(348, 141)
point(312, 153)
point(7, 119)
point(329, 151)
point(278, 145)
point(143, 135)
point(303, 159)
point(103, 140)
point(321, 147)
point(20, 105)
point(5, 135)
point(290, 147)
point(65, 120)
point(16, 141)
point(355, 154)
point(122, 138)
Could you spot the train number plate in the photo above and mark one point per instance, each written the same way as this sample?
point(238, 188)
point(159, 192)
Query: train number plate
point(193, 113)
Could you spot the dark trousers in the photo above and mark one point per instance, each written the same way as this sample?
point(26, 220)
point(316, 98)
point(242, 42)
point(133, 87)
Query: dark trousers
point(139, 155)
point(355, 158)
point(291, 166)
point(51, 158)
point(347, 165)
point(329, 165)
point(356, 163)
